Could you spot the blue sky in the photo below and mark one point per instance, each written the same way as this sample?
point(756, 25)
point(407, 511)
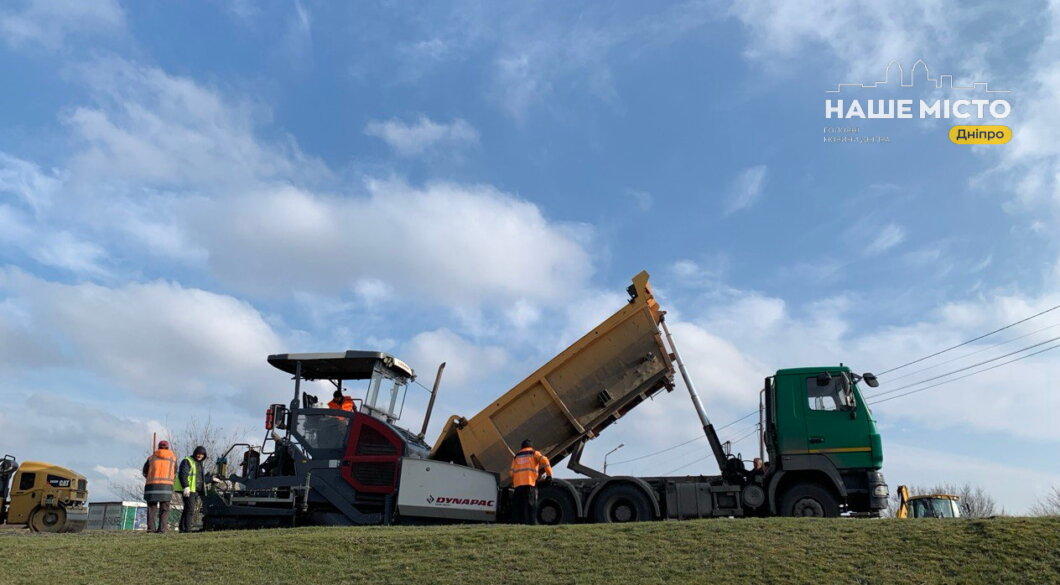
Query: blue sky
point(188, 187)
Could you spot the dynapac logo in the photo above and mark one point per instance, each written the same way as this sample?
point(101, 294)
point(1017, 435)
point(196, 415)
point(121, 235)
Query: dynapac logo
point(447, 501)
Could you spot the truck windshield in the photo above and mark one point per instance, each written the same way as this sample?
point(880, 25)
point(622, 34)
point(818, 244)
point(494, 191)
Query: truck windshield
point(831, 397)
point(934, 508)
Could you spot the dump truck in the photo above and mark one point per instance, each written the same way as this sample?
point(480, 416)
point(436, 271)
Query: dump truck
point(927, 505)
point(42, 496)
point(328, 466)
point(820, 442)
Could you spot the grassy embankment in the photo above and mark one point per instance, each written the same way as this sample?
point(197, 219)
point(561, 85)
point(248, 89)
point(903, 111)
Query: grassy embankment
point(1002, 550)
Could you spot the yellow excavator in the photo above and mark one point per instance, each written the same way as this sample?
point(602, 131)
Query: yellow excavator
point(927, 505)
point(44, 497)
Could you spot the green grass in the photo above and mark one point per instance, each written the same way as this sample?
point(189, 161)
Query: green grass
point(1000, 550)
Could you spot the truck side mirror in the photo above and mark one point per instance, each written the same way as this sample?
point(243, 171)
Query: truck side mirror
point(870, 379)
point(824, 379)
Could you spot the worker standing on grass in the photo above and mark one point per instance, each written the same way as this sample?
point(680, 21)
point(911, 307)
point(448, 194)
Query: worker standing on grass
point(191, 485)
point(341, 402)
point(159, 470)
point(527, 466)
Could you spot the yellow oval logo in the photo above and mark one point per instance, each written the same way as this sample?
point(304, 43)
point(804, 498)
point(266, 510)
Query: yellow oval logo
point(980, 134)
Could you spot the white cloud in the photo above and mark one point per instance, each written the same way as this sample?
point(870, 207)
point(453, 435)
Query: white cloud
point(685, 268)
point(424, 135)
point(372, 291)
point(28, 182)
point(523, 314)
point(298, 40)
point(1030, 169)
point(749, 310)
point(465, 362)
point(434, 49)
point(52, 247)
point(164, 163)
point(74, 422)
point(539, 54)
point(28, 222)
point(49, 22)
point(888, 237)
point(746, 189)
point(64, 250)
point(106, 483)
point(718, 369)
point(450, 243)
point(863, 36)
point(163, 131)
point(157, 340)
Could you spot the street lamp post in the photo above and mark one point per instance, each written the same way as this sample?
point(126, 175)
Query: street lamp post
point(620, 445)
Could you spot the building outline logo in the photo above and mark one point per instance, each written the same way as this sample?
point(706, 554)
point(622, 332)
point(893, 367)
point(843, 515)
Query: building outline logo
point(940, 82)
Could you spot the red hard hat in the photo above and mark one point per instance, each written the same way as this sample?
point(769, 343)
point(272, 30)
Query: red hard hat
point(163, 444)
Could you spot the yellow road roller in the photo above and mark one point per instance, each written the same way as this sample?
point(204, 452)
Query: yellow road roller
point(44, 497)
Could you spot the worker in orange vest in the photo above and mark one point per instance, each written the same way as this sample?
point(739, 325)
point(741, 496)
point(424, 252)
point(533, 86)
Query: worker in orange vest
point(528, 466)
point(341, 402)
point(159, 471)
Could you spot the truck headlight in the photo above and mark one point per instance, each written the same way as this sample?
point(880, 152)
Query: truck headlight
point(880, 491)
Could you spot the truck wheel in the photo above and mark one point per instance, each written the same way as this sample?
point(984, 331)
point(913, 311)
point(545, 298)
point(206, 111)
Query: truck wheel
point(622, 503)
point(809, 500)
point(555, 506)
point(47, 520)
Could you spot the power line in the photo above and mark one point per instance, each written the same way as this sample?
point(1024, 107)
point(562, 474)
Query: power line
point(692, 440)
point(1012, 353)
point(970, 354)
point(753, 431)
point(970, 340)
point(969, 375)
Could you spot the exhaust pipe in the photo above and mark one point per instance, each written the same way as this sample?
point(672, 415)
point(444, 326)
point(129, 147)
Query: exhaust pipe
point(430, 405)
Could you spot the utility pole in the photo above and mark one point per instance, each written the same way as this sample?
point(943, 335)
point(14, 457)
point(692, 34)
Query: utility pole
point(620, 445)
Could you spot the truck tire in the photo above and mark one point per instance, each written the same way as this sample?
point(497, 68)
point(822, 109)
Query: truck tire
point(622, 503)
point(555, 506)
point(809, 500)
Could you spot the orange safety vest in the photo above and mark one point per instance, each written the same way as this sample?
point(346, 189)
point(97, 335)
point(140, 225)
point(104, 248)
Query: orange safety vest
point(346, 404)
point(162, 467)
point(526, 466)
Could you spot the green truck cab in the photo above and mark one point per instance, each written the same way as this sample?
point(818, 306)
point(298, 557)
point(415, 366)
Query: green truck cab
point(822, 443)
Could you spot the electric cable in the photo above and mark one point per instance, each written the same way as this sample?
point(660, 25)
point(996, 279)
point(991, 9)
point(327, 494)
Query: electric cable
point(995, 366)
point(957, 371)
point(753, 431)
point(957, 359)
point(692, 440)
point(970, 340)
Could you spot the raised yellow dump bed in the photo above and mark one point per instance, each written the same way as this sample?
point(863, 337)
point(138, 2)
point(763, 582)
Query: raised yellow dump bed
point(573, 397)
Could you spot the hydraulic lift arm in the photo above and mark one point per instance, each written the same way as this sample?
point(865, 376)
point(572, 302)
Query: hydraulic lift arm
point(708, 428)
